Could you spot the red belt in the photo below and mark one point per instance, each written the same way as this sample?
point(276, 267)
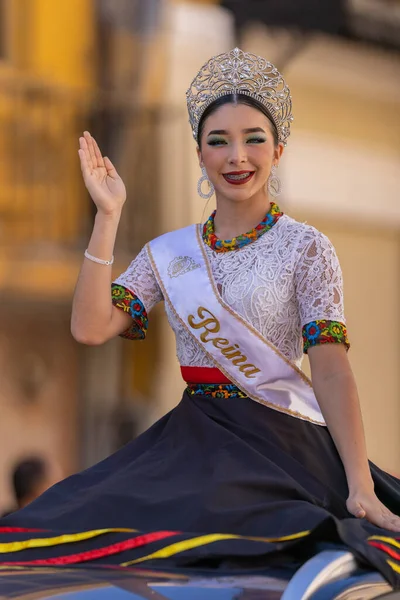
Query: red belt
point(203, 375)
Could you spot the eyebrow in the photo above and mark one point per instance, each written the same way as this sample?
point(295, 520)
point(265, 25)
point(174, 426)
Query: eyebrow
point(224, 132)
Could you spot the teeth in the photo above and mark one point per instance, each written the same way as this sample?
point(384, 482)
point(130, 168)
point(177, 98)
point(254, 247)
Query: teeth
point(238, 177)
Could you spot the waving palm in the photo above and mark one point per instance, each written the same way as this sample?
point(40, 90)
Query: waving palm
point(100, 176)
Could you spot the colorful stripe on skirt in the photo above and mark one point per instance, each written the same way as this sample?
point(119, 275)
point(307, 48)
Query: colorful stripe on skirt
point(128, 547)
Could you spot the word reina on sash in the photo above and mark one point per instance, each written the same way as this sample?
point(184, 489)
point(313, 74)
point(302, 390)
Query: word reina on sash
point(210, 324)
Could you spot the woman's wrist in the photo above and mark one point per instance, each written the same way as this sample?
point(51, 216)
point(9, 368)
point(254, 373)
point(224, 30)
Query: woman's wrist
point(360, 483)
point(113, 216)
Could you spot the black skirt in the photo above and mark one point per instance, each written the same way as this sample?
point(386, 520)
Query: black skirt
point(216, 483)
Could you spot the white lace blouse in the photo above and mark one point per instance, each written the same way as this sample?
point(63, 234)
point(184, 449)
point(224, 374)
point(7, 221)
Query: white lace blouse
point(281, 283)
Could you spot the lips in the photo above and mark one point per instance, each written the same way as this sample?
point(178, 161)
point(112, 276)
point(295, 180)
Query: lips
point(238, 177)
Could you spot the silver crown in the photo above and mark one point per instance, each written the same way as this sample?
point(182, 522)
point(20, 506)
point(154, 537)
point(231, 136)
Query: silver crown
point(238, 72)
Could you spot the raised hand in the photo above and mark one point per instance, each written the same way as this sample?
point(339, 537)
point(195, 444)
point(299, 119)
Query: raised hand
point(102, 181)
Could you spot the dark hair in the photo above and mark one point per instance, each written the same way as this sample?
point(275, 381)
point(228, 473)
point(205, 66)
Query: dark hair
point(236, 99)
point(27, 475)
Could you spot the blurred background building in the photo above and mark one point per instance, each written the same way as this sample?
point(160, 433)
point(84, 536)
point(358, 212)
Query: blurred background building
point(120, 69)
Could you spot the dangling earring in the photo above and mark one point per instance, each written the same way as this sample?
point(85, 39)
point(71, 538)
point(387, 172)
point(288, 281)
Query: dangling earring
point(274, 184)
point(210, 185)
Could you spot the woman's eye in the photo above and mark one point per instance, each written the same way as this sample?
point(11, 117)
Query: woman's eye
point(216, 142)
point(256, 140)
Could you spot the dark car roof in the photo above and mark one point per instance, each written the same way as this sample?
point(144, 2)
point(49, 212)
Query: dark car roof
point(326, 576)
point(131, 584)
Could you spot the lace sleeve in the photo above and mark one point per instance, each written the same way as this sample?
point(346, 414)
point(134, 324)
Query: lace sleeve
point(319, 286)
point(140, 279)
point(135, 292)
point(319, 282)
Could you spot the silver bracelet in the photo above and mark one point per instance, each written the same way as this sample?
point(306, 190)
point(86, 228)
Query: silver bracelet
point(100, 261)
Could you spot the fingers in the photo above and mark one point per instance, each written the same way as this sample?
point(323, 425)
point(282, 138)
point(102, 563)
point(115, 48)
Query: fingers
point(91, 157)
point(98, 154)
point(385, 520)
point(111, 170)
point(387, 524)
point(89, 141)
point(391, 522)
point(392, 527)
point(356, 509)
point(85, 165)
point(359, 512)
point(85, 152)
point(93, 153)
point(375, 512)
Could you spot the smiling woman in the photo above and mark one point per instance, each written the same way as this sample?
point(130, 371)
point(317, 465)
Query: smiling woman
point(257, 462)
point(238, 149)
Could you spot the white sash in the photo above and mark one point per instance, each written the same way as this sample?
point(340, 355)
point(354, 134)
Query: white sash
point(252, 363)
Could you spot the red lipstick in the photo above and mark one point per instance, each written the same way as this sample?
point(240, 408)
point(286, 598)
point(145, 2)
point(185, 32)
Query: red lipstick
point(238, 177)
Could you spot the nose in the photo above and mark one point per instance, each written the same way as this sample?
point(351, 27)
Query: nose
point(238, 154)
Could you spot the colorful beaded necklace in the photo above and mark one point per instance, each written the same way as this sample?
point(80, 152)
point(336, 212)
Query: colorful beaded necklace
point(209, 237)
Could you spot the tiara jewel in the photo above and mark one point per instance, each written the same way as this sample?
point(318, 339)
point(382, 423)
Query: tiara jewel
point(238, 72)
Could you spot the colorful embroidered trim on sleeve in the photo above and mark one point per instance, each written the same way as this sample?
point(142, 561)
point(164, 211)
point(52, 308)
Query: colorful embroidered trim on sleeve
point(128, 302)
point(324, 332)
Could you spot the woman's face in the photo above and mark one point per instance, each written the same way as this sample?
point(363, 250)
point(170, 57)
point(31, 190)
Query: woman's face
point(238, 151)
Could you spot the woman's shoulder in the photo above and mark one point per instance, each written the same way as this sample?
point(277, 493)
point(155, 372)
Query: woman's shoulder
point(302, 233)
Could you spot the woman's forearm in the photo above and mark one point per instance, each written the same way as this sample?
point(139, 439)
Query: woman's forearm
point(92, 306)
point(338, 399)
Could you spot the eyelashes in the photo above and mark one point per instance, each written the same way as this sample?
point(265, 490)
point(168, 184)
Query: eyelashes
point(216, 142)
point(256, 140)
point(223, 142)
